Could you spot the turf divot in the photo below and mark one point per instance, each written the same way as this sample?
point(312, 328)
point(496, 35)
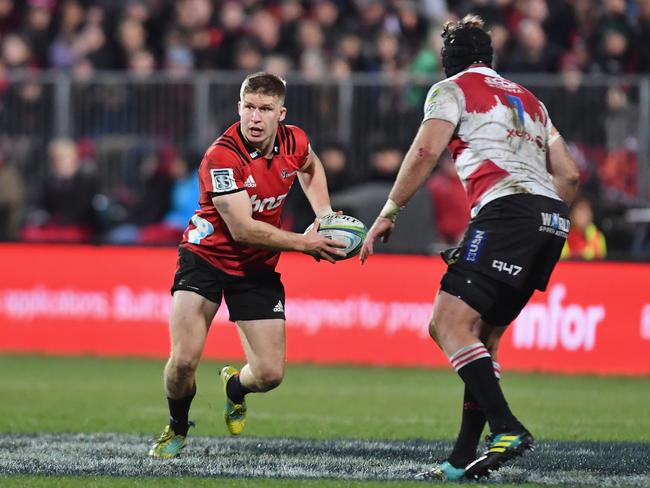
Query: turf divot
point(552, 463)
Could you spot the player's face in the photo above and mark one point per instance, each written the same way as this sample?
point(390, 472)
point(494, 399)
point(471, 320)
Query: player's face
point(260, 115)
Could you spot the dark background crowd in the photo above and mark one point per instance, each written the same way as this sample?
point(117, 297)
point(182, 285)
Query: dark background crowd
point(317, 37)
point(93, 184)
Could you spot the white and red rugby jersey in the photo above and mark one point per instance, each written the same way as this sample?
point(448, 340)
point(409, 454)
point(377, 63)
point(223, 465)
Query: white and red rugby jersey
point(502, 135)
point(231, 165)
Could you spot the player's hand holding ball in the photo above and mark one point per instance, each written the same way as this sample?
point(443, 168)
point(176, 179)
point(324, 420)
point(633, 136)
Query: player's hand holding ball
point(343, 236)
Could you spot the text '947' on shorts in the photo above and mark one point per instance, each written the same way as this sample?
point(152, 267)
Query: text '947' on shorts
point(509, 250)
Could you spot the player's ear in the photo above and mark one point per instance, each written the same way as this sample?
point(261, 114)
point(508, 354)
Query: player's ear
point(239, 107)
point(283, 113)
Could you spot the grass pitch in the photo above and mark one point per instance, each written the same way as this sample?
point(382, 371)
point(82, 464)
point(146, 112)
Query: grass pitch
point(329, 426)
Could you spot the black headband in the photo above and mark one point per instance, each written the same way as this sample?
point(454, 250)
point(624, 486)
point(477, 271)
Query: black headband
point(464, 47)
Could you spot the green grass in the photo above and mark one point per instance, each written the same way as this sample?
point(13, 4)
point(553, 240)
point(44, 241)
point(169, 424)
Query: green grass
point(48, 394)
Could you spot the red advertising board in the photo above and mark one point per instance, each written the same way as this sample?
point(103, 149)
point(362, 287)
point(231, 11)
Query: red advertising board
point(594, 318)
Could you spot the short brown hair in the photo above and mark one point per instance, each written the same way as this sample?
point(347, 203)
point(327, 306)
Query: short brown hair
point(264, 83)
point(467, 22)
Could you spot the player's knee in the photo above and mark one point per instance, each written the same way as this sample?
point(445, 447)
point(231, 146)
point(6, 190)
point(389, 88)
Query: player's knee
point(269, 377)
point(184, 365)
point(433, 332)
point(438, 327)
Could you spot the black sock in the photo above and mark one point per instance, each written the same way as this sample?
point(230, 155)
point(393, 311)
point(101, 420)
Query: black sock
point(471, 428)
point(235, 390)
point(478, 376)
point(179, 411)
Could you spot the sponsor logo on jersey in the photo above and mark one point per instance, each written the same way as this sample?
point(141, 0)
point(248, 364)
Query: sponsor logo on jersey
point(250, 182)
point(552, 223)
point(503, 84)
point(287, 174)
point(222, 180)
point(278, 307)
point(475, 245)
point(527, 136)
point(268, 203)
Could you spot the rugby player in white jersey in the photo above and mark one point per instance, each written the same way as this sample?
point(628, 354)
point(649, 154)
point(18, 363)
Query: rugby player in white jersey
point(519, 179)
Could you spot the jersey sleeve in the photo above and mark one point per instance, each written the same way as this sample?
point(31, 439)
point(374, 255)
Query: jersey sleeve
point(221, 172)
point(300, 144)
point(444, 101)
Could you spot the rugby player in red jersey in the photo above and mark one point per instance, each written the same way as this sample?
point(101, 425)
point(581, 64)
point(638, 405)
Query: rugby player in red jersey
point(231, 247)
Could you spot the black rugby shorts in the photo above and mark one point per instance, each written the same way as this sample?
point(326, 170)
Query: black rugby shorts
point(509, 250)
point(254, 297)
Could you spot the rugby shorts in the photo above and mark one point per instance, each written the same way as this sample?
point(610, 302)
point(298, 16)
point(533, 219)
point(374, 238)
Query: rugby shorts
point(253, 297)
point(509, 250)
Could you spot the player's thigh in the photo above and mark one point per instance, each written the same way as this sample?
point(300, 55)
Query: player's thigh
point(190, 319)
point(264, 342)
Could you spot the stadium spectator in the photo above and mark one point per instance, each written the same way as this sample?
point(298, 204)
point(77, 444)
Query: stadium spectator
point(16, 53)
point(12, 200)
point(328, 14)
point(66, 210)
point(152, 200)
point(644, 36)
point(38, 30)
point(507, 253)
point(132, 38)
point(581, 120)
point(450, 206)
point(184, 195)
point(62, 52)
point(28, 109)
point(231, 30)
point(385, 160)
point(612, 40)
point(333, 154)
point(10, 16)
point(532, 53)
point(231, 249)
point(585, 241)
point(618, 171)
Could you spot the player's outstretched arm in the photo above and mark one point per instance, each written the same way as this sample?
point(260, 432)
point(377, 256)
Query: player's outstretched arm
point(429, 143)
point(314, 184)
point(431, 139)
point(235, 209)
point(564, 170)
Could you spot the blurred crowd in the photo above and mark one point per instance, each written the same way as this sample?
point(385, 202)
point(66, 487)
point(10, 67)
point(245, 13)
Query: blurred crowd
point(315, 39)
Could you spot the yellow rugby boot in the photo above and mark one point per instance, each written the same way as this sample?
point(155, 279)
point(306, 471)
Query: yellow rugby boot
point(169, 444)
point(233, 413)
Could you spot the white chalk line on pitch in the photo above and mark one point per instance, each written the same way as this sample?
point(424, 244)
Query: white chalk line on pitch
point(552, 463)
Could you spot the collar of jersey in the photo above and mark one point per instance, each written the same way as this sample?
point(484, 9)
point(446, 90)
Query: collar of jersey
point(253, 152)
point(483, 70)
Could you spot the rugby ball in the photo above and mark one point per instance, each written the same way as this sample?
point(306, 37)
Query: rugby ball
point(343, 228)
